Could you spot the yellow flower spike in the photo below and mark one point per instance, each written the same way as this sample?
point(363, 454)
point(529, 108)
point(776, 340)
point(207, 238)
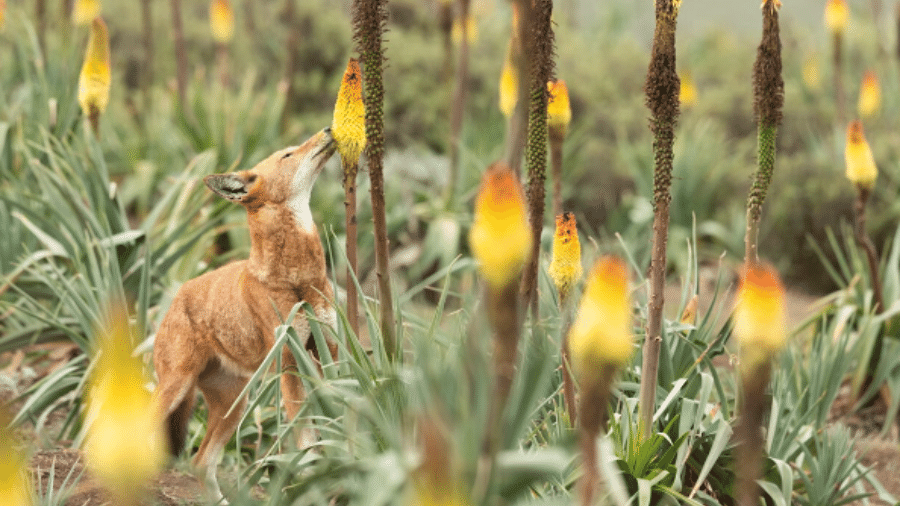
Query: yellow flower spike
point(559, 112)
point(836, 16)
point(95, 78)
point(2, 12)
point(812, 77)
point(759, 314)
point(565, 265)
point(601, 334)
point(687, 94)
point(349, 124)
point(84, 11)
point(125, 446)
point(470, 31)
point(509, 87)
point(15, 487)
point(221, 21)
point(869, 95)
point(861, 169)
point(500, 237)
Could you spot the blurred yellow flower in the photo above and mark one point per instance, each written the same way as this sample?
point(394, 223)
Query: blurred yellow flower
point(687, 95)
point(509, 87)
point(861, 169)
point(349, 123)
point(125, 445)
point(221, 21)
point(2, 12)
point(759, 314)
point(15, 487)
point(559, 112)
point(565, 265)
point(869, 95)
point(601, 334)
point(500, 237)
point(95, 78)
point(471, 30)
point(836, 16)
point(84, 11)
point(812, 77)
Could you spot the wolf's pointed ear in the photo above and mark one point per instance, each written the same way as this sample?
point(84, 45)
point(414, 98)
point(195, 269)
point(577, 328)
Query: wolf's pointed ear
point(230, 186)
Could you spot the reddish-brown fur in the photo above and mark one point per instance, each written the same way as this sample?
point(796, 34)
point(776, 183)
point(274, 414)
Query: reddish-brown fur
point(221, 325)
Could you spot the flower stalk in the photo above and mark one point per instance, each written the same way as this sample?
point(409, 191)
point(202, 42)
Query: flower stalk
point(768, 103)
point(565, 271)
point(369, 18)
point(759, 327)
point(836, 17)
point(349, 131)
point(662, 89)
point(458, 106)
point(601, 343)
point(540, 45)
point(519, 70)
point(500, 240)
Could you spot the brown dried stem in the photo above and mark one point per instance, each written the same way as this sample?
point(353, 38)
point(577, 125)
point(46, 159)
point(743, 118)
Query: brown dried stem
point(458, 107)
point(518, 123)
point(748, 434)
point(592, 421)
point(350, 170)
point(662, 90)
point(837, 50)
point(369, 18)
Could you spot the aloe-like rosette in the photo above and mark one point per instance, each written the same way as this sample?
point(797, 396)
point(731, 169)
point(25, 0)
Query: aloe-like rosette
point(869, 95)
point(221, 21)
point(125, 446)
point(860, 163)
point(500, 237)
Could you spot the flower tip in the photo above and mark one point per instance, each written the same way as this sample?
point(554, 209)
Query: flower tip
point(759, 316)
point(869, 95)
point(221, 21)
point(836, 16)
point(500, 237)
point(601, 333)
point(559, 111)
point(860, 162)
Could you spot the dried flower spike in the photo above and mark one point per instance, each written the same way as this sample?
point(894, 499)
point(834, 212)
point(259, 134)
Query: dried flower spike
point(565, 266)
point(95, 78)
point(869, 95)
point(221, 21)
point(836, 16)
point(759, 314)
point(125, 445)
point(601, 334)
point(500, 237)
point(861, 169)
point(84, 11)
point(349, 124)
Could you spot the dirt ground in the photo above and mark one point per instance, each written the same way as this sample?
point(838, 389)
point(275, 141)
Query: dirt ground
point(63, 467)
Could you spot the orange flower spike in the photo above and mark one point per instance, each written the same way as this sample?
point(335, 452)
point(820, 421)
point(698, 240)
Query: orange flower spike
point(84, 11)
point(565, 266)
point(221, 21)
point(759, 314)
point(861, 168)
point(601, 334)
point(559, 112)
point(95, 78)
point(869, 95)
point(500, 237)
point(836, 16)
point(15, 487)
point(125, 445)
point(349, 124)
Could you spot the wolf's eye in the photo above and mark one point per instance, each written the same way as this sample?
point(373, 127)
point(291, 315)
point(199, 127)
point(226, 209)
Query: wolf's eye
point(286, 155)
